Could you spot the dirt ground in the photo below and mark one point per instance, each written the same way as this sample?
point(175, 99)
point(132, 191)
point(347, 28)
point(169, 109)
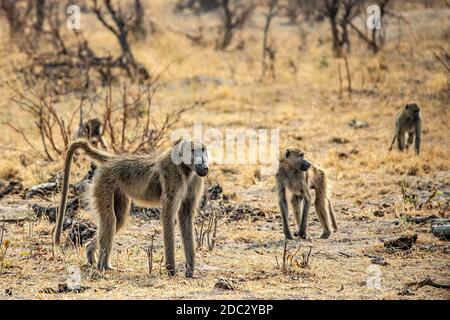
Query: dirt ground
point(312, 113)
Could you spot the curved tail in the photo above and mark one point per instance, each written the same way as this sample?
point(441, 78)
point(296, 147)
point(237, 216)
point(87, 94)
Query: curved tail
point(322, 202)
point(93, 153)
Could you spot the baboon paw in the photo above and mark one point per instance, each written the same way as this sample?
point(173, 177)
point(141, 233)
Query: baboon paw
point(288, 237)
point(171, 272)
point(300, 234)
point(325, 235)
point(90, 260)
point(104, 267)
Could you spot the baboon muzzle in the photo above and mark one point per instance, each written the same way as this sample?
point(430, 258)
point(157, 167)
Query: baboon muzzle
point(305, 165)
point(201, 169)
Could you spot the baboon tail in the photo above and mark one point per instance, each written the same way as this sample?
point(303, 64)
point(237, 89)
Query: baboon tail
point(94, 153)
point(332, 214)
point(392, 143)
point(321, 199)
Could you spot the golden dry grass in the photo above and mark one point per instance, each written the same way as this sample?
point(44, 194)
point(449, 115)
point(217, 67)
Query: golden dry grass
point(306, 107)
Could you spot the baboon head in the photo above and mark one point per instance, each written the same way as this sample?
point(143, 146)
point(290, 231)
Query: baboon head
point(413, 110)
point(296, 158)
point(192, 154)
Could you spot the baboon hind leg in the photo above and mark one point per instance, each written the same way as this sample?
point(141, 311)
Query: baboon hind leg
point(107, 221)
point(122, 205)
point(410, 140)
point(401, 141)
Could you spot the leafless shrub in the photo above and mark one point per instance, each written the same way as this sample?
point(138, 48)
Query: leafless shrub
point(148, 135)
point(53, 130)
point(289, 259)
point(4, 246)
point(306, 258)
point(149, 251)
point(208, 221)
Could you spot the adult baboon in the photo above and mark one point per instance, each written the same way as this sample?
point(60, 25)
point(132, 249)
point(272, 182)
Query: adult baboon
point(298, 175)
point(408, 121)
point(172, 179)
point(92, 131)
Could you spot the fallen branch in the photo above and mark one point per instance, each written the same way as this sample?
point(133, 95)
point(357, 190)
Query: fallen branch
point(441, 231)
point(428, 282)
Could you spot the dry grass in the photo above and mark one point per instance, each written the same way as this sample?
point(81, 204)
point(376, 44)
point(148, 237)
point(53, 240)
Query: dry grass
point(305, 105)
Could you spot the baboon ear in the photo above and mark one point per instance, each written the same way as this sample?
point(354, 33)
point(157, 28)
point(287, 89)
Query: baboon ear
point(178, 141)
point(288, 153)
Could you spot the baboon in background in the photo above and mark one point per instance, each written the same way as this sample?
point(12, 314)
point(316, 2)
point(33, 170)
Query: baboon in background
point(408, 121)
point(92, 131)
point(172, 179)
point(299, 176)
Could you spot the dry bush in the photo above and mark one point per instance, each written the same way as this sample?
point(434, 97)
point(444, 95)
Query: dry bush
point(130, 125)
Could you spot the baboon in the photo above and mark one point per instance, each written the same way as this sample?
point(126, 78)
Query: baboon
point(408, 121)
point(299, 176)
point(92, 131)
point(173, 180)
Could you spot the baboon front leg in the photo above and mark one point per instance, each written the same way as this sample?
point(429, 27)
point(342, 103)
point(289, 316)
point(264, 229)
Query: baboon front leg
point(185, 216)
point(304, 223)
point(295, 202)
point(169, 209)
point(282, 202)
point(401, 141)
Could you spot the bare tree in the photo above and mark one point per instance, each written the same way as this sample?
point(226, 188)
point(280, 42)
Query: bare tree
point(268, 51)
point(234, 15)
point(16, 13)
point(40, 14)
point(120, 25)
point(66, 61)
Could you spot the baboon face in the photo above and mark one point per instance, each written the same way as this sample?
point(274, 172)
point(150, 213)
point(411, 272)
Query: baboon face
point(194, 155)
point(296, 158)
point(93, 128)
point(414, 110)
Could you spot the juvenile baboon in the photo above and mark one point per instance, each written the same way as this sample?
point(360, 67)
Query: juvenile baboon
point(92, 131)
point(408, 121)
point(299, 176)
point(172, 180)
